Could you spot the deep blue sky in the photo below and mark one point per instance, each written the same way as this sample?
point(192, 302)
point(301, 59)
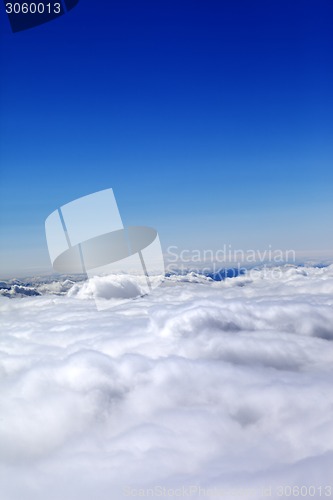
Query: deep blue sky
point(211, 120)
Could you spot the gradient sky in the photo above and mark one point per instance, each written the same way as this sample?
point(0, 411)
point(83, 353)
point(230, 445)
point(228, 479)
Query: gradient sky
point(211, 120)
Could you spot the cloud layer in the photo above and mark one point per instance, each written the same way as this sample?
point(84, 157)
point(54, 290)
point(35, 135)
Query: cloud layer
point(224, 385)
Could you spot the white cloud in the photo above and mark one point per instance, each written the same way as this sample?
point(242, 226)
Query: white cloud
point(225, 385)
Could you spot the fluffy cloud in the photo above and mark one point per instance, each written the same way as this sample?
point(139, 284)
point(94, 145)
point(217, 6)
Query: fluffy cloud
point(222, 385)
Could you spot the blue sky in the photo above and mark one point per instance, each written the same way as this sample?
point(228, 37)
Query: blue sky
point(212, 122)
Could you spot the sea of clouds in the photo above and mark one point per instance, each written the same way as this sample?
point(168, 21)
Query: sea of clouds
point(202, 389)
